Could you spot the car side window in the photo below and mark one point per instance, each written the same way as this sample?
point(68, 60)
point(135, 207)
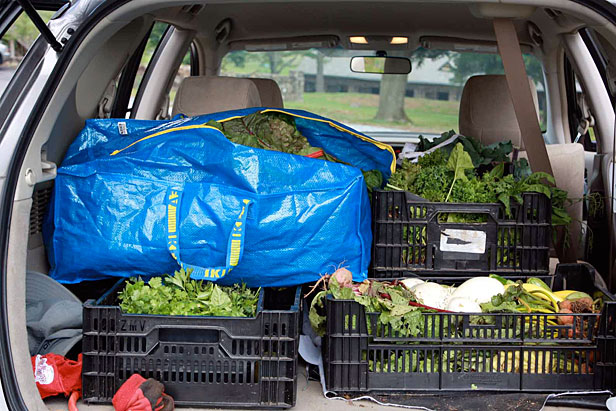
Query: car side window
point(581, 121)
point(132, 74)
point(15, 43)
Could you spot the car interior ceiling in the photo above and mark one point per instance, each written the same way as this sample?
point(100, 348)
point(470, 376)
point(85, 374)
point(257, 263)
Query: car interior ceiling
point(107, 48)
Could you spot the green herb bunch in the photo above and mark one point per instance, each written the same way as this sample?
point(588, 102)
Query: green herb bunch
point(451, 176)
point(180, 295)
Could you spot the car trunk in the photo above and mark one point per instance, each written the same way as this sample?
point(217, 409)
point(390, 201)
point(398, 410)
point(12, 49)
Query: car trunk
point(80, 85)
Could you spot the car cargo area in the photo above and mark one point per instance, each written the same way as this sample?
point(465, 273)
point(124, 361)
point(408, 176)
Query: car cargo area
point(312, 205)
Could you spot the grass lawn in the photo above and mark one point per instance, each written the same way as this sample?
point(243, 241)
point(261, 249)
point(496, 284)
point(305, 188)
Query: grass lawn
point(359, 108)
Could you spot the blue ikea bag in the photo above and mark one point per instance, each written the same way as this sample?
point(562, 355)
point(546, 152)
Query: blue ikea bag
point(142, 198)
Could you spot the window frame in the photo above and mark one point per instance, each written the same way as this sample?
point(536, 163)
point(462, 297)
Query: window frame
point(127, 80)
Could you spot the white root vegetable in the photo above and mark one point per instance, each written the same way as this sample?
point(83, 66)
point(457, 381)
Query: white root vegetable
point(479, 289)
point(409, 283)
point(463, 305)
point(431, 294)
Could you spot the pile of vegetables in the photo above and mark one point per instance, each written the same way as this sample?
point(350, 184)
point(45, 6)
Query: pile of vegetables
point(278, 132)
point(468, 172)
point(407, 309)
point(492, 294)
point(396, 304)
point(402, 303)
point(180, 295)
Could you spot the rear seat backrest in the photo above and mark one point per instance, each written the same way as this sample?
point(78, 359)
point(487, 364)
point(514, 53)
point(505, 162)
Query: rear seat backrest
point(209, 94)
point(270, 93)
point(486, 110)
point(487, 114)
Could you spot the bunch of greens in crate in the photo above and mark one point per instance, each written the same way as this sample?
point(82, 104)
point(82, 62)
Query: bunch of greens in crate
point(450, 174)
point(180, 295)
point(391, 300)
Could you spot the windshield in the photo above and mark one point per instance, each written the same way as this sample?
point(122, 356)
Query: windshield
point(425, 101)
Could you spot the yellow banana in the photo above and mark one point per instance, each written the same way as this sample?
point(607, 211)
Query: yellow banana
point(542, 292)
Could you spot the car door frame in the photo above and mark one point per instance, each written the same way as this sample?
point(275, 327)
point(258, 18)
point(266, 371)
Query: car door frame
point(11, 160)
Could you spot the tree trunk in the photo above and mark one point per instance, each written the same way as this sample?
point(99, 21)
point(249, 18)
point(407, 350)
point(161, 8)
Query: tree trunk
point(274, 62)
point(391, 98)
point(320, 81)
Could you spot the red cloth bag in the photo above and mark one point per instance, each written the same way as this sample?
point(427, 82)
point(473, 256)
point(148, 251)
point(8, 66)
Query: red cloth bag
point(55, 374)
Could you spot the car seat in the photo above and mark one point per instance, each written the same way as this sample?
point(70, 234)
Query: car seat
point(198, 95)
point(487, 114)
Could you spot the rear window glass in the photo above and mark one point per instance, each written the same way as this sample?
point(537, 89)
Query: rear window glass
point(425, 101)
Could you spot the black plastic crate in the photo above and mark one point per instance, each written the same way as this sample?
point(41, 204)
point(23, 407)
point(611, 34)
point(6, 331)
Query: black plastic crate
point(409, 238)
point(464, 352)
point(202, 361)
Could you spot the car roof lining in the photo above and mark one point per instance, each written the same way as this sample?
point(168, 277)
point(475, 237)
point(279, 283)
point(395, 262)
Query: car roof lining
point(269, 21)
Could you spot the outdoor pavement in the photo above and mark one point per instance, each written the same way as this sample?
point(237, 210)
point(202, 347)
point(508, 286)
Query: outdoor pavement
point(6, 73)
point(310, 398)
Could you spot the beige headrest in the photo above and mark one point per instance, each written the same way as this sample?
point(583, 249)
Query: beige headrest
point(269, 92)
point(210, 94)
point(486, 110)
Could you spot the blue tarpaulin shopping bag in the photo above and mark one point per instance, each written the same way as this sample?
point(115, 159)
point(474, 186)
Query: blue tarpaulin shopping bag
point(142, 198)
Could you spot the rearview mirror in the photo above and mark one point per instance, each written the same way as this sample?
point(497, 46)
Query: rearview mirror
point(380, 65)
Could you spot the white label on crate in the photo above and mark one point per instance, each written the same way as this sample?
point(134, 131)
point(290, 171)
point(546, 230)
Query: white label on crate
point(122, 128)
point(463, 241)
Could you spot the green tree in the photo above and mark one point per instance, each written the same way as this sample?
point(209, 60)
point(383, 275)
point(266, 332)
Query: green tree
point(23, 31)
point(393, 86)
point(278, 61)
point(158, 30)
point(465, 65)
point(272, 62)
point(234, 59)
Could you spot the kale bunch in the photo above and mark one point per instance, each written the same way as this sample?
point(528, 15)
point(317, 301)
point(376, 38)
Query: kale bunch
point(449, 174)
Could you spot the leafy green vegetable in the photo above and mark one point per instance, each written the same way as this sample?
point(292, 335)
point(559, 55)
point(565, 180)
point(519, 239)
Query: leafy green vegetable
point(481, 155)
point(391, 301)
point(180, 295)
point(373, 178)
point(459, 161)
point(440, 176)
point(278, 132)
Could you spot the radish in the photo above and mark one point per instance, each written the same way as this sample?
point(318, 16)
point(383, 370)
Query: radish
point(344, 277)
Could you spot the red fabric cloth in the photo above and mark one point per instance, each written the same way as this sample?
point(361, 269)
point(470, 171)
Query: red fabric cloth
point(55, 374)
point(139, 394)
point(130, 396)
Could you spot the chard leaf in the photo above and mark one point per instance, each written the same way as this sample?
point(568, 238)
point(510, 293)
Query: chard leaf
point(498, 171)
point(540, 175)
point(539, 188)
point(400, 310)
point(459, 161)
point(317, 321)
point(506, 200)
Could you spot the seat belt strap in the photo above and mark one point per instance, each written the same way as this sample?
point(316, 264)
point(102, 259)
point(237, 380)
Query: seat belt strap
point(525, 110)
point(521, 95)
